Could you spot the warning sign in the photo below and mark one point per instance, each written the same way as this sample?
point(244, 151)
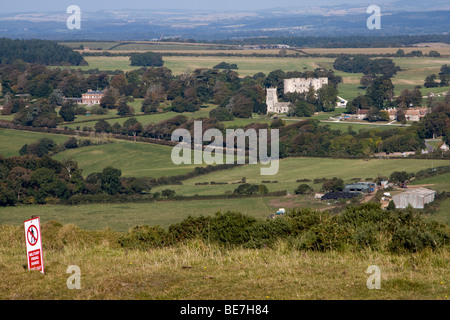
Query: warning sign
point(32, 235)
point(34, 246)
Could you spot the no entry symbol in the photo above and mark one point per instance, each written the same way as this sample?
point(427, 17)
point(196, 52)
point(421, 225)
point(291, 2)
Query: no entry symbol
point(32, 235)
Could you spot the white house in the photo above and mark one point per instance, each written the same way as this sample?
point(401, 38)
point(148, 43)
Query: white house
point(342, 103)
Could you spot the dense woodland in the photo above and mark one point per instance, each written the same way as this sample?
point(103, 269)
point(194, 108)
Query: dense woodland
point(42, 52)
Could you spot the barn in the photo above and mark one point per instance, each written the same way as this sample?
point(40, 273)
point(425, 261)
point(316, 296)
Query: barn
point(417, 198)
point(339, 195)
point(364, 187)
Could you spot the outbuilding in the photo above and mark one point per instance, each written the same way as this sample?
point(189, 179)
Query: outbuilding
point(417, 198)
point(364, 187)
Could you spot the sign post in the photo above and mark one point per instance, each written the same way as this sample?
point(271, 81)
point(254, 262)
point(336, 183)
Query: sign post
point(34, 245)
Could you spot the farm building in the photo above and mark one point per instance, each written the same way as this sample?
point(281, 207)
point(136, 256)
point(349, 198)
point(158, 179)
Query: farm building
point(417, 198)
point(339, 195)
point(363, 187)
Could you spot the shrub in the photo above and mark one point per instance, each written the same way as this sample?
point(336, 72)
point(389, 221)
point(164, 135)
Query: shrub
point(230, 228)
point(303, 189)
point(144, 238)
point(189, 228)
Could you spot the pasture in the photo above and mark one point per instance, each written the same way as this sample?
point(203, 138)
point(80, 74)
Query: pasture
point(293, 169)
point(144, 119)
point(12, 140)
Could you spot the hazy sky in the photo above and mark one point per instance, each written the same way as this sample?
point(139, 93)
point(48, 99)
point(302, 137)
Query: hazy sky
point(7, 6)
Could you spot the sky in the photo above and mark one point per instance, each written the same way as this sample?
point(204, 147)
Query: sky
point(7, 6)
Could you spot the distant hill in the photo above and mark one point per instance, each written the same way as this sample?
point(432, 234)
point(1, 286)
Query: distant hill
point(43, 52)
point(331, 21)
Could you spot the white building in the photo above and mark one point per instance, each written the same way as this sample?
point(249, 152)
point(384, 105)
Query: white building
point(342, 103)
point(272, 102)
point(301, 85)
point(444, 147)
point(417, 198)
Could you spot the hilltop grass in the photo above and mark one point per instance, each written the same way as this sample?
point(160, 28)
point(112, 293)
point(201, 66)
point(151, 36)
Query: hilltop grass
point(197, 270)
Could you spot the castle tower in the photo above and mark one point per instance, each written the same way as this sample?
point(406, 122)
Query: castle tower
point(271, 99)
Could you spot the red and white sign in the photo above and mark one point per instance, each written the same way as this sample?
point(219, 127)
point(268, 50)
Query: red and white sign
point(34, 245)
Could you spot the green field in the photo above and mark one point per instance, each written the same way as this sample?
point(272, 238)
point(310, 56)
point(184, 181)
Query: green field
point(144, 119)
point(121, 217)
point(135, 159)
point(293, 169)
point(12, 140)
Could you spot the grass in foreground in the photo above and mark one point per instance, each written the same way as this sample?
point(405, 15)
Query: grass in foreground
point(196, 270)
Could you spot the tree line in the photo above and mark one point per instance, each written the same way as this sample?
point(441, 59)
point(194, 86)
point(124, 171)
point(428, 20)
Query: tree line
point(43, 52)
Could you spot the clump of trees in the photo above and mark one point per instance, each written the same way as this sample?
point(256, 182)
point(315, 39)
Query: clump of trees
point(444, 78)
point(146, 59)
point(226, 65)
point(36, 178)
point(363, 64)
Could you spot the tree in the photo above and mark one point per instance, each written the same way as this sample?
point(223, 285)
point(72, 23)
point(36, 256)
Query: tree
point(119, 82)
point(434, 53)
point(399, 177)
point(7, 196)
point(168, 193)
point(110, 180)
point(124, 109)
point(303, 189)
point(262, 189)
point(221, 114)
point(333, 185)
point(68, 111)
point(380, 92)
point(430, 81)
point(108, 100)
point(56, 98)
point(360, 102)
point(383, 115)
point(102, 126)
point(71, 143)
point(40, 148)
point(327, 97)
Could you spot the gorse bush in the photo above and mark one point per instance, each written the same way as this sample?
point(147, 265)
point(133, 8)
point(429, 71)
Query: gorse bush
point(357, 227)
point(144, 237)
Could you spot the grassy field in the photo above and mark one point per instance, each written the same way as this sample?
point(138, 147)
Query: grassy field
point(12, 140)
point(248, 66)
point(121, 217)
point(135, 159)
point(293, 169)
point(142, 118)
point(443, 50)
point(197, 271)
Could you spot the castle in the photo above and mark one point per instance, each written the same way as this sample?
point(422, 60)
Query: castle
point(291, 85)
point(301, 85)
point(272, 102)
